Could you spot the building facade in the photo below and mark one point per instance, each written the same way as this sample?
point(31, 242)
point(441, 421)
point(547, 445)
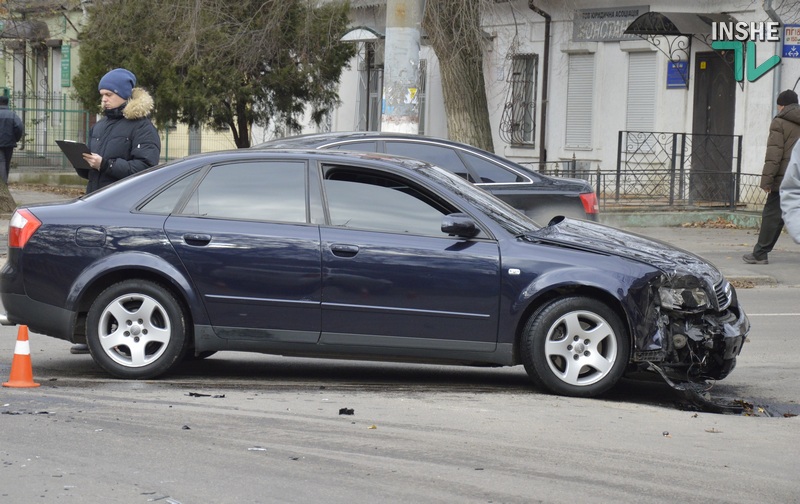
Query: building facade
point(592, 94)
point(594, 85)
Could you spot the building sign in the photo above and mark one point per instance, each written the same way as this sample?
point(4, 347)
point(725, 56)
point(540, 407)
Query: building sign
point(66, 74)
point(791, 41)
point(677, 75)
point(605, 25)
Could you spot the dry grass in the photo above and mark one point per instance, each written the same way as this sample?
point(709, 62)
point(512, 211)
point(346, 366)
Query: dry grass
point(718, 223)
point(70, 190)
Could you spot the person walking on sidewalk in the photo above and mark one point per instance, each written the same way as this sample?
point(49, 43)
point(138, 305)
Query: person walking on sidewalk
point(123, 142)
point(11, 130)
point(783, 133)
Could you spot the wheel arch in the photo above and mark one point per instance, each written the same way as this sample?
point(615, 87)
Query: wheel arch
point(114, 269)
point(543, 298)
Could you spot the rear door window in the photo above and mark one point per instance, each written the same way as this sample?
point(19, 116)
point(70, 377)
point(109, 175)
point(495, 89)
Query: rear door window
point(255, 190)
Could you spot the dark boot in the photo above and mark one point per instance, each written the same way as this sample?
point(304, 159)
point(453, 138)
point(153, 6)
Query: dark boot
point(79, 348)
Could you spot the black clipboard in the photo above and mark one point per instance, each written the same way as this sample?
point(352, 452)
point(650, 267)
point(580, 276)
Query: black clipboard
point(74, 152)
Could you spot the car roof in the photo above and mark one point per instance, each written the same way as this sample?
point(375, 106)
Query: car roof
point(318, 140)
point(313, 140)
point(306, 153)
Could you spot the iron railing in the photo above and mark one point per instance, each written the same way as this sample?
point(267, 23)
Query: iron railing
point(675, 171)
point(653, 169)
point(56, 116)
point(700, 168)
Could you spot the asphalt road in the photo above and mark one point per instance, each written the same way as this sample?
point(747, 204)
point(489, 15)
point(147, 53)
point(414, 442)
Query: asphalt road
point(262, 429)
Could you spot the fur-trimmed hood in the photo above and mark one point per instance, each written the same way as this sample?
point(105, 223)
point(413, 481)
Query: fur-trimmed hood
point(139, 106)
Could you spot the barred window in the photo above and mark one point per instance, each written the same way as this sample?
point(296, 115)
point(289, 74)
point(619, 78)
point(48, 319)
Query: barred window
point(519, 114)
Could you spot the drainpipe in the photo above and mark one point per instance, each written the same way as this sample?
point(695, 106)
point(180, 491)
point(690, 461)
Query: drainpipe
point(776, 83)
point(545, 79)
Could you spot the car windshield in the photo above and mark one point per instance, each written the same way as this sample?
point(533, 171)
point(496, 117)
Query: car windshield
point(512, 220)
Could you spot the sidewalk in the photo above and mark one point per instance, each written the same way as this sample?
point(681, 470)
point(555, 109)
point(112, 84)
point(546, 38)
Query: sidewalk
point(724, 247)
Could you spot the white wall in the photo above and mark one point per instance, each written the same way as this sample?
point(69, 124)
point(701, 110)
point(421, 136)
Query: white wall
point(514, 28)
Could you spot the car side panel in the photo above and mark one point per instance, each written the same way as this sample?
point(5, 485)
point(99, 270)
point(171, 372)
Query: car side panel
point(86, 255)
point(402, 291)
point(257, 279)
point(541, 270)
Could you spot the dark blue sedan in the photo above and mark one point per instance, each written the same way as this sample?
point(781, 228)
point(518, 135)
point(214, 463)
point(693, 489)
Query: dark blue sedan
point(366, 256)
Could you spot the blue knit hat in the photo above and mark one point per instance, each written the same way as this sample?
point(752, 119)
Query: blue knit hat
point(119, 81)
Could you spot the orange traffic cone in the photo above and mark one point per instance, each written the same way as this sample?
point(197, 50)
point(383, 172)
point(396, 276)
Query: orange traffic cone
point(21, 368)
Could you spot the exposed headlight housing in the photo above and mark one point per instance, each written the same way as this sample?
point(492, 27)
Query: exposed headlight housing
point(684, 299)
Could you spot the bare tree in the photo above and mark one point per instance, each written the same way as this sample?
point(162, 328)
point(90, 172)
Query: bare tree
point(454, 31)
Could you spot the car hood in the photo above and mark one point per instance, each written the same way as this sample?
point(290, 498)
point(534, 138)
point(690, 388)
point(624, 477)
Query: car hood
point(674, 262)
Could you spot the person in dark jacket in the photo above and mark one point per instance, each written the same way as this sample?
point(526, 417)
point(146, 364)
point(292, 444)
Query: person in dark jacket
point(783, 133)
point(123, 142)
point(11, 130)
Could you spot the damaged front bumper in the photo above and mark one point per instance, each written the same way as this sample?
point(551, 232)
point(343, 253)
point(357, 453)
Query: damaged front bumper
point(698, 345)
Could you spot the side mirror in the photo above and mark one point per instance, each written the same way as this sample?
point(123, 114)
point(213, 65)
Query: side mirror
point(459, 224)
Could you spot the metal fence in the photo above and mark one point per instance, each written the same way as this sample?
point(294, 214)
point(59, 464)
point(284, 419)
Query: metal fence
point(654, 169)
point(671, 171)
point(55, 116)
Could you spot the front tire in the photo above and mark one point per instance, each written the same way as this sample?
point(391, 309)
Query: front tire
point(136, 329)
point(575, 346)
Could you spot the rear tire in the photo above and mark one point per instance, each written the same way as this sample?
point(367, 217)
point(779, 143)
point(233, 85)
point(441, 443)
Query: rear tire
point(575, 346)
point(136, 329)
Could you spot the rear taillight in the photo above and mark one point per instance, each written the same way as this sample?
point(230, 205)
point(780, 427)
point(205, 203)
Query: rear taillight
point(22, 226)
point(590, 204)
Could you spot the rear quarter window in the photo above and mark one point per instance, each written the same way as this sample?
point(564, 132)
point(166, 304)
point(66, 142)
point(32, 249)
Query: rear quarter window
point(165, 201)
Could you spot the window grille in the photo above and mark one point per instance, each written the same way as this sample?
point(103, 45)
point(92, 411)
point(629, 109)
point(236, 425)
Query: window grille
point(518, 125)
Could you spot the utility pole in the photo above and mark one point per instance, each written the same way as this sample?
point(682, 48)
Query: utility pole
point(400, 112)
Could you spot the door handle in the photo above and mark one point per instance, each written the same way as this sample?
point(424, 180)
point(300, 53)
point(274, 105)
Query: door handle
point(341, 250)
point(197, 240)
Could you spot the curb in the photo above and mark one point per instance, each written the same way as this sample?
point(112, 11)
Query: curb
point(740, 219)
point(744, 281)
